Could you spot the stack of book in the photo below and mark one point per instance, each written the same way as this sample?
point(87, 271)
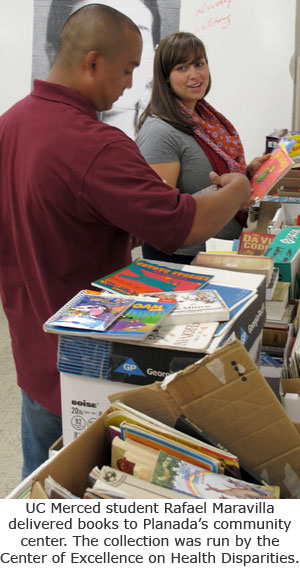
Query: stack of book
point(154, 305)
point(152, 460)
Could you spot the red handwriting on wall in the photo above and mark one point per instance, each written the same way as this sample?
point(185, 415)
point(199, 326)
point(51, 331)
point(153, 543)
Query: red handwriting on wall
point(220, 17)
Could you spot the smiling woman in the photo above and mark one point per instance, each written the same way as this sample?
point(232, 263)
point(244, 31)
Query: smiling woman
point(182, 136)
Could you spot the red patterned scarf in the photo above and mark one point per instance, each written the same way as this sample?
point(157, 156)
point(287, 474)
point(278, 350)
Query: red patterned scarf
point(218, 133)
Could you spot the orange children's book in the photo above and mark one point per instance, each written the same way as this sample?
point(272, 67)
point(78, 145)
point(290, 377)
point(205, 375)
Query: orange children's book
point(270, 172)
point(254, 243)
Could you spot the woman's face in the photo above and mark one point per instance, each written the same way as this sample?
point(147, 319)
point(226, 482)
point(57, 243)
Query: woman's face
point(190, 80)
point(142, 17)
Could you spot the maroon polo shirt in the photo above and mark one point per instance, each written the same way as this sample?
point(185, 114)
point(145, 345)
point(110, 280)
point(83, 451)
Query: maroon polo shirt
point(72, 189)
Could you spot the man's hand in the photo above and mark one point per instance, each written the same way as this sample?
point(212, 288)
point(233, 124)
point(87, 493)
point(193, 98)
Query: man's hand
point(239, 180)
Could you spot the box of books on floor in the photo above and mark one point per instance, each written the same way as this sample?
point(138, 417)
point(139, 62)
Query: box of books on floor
point(212, 430)
point(150, 321)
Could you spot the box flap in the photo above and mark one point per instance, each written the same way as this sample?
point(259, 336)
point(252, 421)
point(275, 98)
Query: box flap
point(226, 395)
point(37, 491)
point(149, 400)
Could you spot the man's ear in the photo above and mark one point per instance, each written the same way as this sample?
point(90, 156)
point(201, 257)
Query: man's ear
point(50, 51)
point(91, 61)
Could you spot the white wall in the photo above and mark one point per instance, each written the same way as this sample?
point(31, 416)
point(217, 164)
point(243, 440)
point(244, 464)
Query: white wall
point(251, 60)
point(16, 26)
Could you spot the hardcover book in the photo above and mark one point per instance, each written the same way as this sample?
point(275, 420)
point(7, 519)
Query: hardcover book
point(198, 306)
point(237, 263)
point(254, 243)
point(143, 277)
point(270, 172)
point(179, 475)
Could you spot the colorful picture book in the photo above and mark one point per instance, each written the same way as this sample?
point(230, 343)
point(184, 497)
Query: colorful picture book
point(139, 320)
point(179, 475)
point(198, 306)
point(139, 317)
point(143, 277)
point(270, 172)
point(254, 243)
point(91, 310)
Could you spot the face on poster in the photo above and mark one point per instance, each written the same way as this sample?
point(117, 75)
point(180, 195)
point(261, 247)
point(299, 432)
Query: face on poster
point(150, 16)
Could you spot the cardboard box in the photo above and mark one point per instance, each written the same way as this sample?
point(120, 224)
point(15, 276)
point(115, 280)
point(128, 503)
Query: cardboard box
point(285, 249)
point(226, 395)
point(83, 399)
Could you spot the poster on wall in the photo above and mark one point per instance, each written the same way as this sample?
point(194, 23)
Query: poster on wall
point(155, 18)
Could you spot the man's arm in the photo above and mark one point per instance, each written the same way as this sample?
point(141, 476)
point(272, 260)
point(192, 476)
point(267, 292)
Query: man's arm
point(216, 209)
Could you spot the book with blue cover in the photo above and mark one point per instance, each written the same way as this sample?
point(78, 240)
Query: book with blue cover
point(233, 296)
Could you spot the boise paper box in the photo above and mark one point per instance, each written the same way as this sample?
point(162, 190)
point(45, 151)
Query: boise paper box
point(226, 395)
point(90, 369)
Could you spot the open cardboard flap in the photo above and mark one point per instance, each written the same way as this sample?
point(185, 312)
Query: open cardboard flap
point(226, 395)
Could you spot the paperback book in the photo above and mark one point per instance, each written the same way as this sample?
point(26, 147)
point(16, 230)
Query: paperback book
point(194, 337)
point(270, 172)
point(135, 323)
point(234, 314)
point(139, 320)
point(198, 306)
point(90, 310)
point(143, 277)
point(233, 296)
point(110, 483)
point(254, 243)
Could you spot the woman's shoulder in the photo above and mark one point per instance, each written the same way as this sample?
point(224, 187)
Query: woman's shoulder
point(153, 122)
